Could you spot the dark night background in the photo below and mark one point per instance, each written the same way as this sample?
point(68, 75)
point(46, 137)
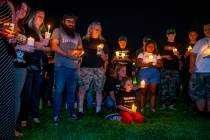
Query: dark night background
point(128, 17)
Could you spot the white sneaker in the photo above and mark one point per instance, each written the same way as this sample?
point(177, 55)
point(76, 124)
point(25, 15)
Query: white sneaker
point(172, 107)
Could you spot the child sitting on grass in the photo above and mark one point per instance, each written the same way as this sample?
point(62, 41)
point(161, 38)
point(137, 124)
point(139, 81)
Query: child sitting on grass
point(125, 101)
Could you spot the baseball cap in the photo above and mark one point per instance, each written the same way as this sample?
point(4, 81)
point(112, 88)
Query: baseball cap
point(170, 31)
point(69, 15)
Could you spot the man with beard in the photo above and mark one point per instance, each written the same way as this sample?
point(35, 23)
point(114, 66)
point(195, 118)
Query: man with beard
point(67, 45)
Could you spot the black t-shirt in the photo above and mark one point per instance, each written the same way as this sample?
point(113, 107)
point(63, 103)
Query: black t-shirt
point(90, 58)
point(36, 61)
point(113, 85)
point(126, 99)
point(167, 49)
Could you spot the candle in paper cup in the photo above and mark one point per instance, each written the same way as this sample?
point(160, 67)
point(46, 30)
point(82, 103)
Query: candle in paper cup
point(133, 108)
point(11, 27)
point(117, 54)
point(47, 35)
point(30, 42)
point(123, 55)
point(142, 84)
point(100, 49)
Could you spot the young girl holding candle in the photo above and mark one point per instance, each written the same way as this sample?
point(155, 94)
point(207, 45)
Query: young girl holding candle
point(149, 76)
point(125, 101)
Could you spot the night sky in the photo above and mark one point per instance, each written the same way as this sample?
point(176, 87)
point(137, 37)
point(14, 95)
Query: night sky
point(135, 20)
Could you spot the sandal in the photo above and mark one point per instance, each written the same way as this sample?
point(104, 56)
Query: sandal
point(18, 133)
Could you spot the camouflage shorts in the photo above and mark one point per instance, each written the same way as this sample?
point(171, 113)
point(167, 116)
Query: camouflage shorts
point(169, 84)
point(199, 86)
point(95, 75)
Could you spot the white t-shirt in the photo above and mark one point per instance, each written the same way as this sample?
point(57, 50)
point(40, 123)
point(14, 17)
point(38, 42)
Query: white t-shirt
point(149, 57)
point(202, 50)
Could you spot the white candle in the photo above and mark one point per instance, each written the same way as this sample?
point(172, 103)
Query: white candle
point(30, 42)
point(47, 35)
point(48, 28)
point(142, 84)
point(100, 49)
point(117, 54)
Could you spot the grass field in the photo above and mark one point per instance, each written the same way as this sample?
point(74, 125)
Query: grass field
point(162, 125)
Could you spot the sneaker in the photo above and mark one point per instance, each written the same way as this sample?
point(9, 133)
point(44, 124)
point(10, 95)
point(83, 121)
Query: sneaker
point(56, 120)
point(36, 120)
point(73, 117)
point(163, 106)
point(80, 114)
point(172, 107)
point(100, 114)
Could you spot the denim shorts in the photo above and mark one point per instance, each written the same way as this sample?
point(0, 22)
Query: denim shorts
point(149, 75)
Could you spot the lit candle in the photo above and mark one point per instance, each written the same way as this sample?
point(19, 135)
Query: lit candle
point(48, 34)
point(30, 42)
point(11, 27)
point(123, 55)
point(142, 84)
point(175, 50)
point(189, 48)
point(48, 28)
point(208, 50)
point(117, 54)
point(100, 49)
point(133, 108)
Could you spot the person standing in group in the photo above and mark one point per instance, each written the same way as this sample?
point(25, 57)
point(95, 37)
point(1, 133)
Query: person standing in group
point(36, 67)
point(170, 78)
point(22, 11)
point(7, 96)
point(149, 63)
point(200, 70)
point(192, 39)
point(67, 45)
point(93, 66)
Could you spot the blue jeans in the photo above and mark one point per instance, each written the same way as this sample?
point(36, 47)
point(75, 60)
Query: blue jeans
point(64, 77)
point(20, 77)
point(89, 95)
point(110, 103)
point(31, 94)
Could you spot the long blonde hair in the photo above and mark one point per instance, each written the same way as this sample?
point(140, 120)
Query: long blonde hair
point(90, 30)
point(117, 69)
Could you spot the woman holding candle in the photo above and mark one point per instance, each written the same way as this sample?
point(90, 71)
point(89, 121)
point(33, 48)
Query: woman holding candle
point(93, 66)
point(36, 68)
point(126, 103)
point(7, 96)
point(22, 11)
point(149, 76)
